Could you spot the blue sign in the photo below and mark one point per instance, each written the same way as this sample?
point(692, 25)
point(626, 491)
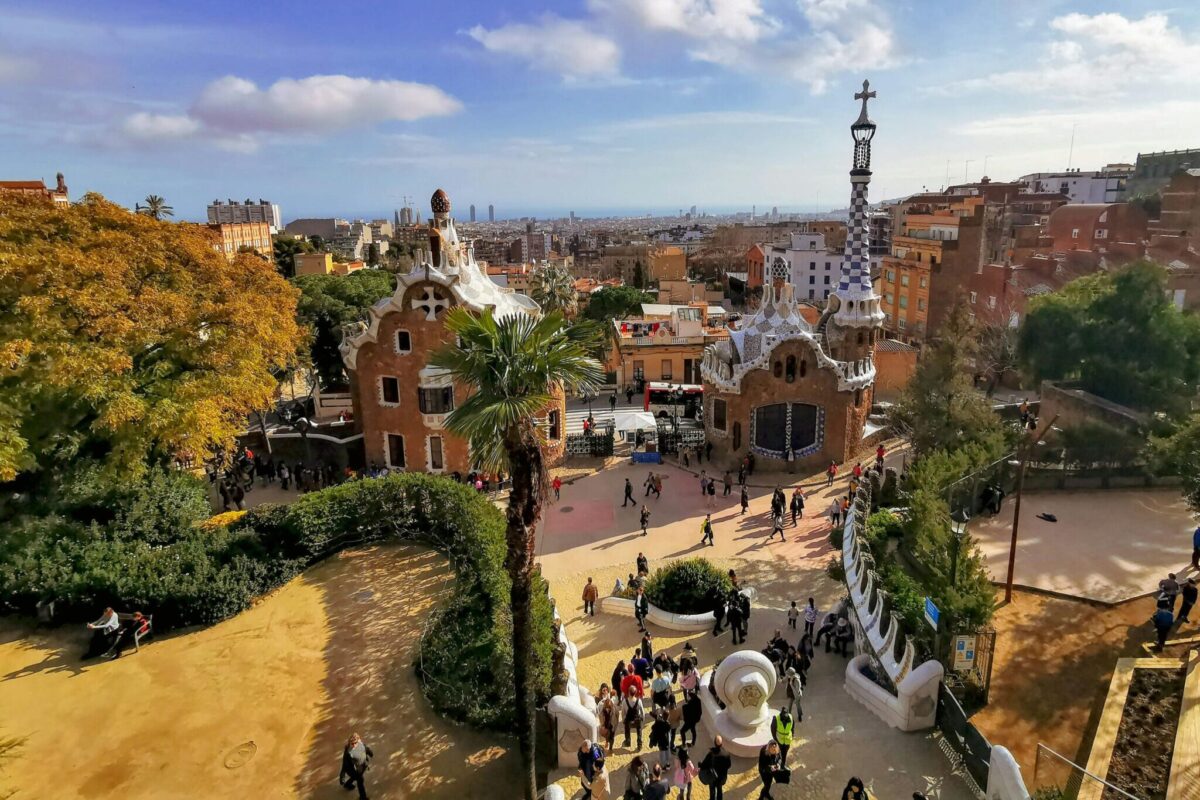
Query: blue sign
point(931, 613)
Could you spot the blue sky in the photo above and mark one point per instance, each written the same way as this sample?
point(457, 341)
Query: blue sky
point(544, 107)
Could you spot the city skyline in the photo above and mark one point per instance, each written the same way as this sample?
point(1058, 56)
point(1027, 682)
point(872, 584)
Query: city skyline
point(604, 107)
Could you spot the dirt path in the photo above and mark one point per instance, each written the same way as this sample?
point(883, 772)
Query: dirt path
point(329, 653)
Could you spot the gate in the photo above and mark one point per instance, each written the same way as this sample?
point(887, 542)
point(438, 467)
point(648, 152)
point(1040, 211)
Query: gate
point(964, 738)
point(968, 667)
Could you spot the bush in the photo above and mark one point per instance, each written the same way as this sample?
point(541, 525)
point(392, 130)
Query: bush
point(686, 586)
point(155, 555)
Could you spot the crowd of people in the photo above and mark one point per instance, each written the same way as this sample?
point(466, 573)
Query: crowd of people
point(1165, 617)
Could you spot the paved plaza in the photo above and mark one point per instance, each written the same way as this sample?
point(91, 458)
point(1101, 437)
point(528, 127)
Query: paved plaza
point(1108, 546)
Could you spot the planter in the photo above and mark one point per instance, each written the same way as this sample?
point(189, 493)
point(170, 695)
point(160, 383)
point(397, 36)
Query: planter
point(688, 623)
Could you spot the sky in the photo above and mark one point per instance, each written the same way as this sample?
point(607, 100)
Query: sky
point(542, 107)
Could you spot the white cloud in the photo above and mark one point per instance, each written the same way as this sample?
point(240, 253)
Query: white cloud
point(1104, 55)
point(734, 20)
point(232, 113)
point(705, 118)
point(566, 47)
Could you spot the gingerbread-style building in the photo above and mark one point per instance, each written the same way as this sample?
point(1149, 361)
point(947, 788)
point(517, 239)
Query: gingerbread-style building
point(792, 393)
point(400, 401)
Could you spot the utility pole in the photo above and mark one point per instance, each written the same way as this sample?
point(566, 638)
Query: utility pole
point(1012, 549)
point(1071, 150)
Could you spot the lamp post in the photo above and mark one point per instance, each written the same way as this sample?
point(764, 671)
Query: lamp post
point(958, 526)
point(1023, 460)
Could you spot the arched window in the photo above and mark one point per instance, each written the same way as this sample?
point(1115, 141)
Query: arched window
point(777, 370)
point(791, 369)
point(803, 367)
point(737, 436)
point(860, 337)
point(857, 398)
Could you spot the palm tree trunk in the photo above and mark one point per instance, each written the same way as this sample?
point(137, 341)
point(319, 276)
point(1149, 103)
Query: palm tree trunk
point(524, 507)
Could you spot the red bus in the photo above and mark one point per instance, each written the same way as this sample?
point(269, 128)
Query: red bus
point(665, 399)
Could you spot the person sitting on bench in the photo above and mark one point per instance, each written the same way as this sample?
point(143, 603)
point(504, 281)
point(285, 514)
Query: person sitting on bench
point(104, 633)
point(842, 637)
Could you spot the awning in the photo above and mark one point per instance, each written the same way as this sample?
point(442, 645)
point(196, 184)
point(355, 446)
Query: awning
point(642, 420)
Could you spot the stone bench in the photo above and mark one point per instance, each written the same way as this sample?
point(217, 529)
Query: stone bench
point(687, 623)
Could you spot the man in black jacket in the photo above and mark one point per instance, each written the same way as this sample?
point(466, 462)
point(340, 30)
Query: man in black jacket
point(356, 758)
point(717, 763)
point(735, 620)
point(769, 764)
point(692, 711)
point(641, 607)
point(718, 611)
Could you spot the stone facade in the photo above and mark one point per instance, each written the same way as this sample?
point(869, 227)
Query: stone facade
point(400, 401)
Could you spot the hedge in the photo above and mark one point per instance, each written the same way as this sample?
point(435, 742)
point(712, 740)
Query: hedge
point(686, 586)
point(186, 573)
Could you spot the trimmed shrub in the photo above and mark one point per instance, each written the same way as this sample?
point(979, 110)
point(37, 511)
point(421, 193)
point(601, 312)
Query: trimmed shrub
point(686, 586)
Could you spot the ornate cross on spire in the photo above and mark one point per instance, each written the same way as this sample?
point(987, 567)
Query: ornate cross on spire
point(864, 95)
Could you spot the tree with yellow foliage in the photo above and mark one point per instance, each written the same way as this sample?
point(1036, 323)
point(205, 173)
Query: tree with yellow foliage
point(126, 341)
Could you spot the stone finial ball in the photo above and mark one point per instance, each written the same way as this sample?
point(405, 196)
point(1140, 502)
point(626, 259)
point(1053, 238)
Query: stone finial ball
point(440, 202)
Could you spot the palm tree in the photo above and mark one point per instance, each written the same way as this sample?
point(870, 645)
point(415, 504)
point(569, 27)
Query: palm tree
point(155, 207)
point(516, 363)
point(553, 288)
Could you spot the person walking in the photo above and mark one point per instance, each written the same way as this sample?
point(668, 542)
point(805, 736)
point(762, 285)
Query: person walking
point(591, 593)
point(685, 772)
point(880, 452)
point(797, 505)
point(1188, 591)
point(659, 787)
point(660, 737)
point(794, 688)
point(712, 494)
point(855, 790)
point(706, 531)
point(1196, 548)
point(628, 495)
point(612, 403)
point(793, 614)
point(742, 474)
point(835, 513)
point(703, 482)
point(638, 777)
point(708, 451)
point(783, 726)
point(1163, 619)
point(830, 473)
point(743, 602)
point(729, 487)
point(657, 486)
point(715, 767)
point(556, 484)
point(649, 484)
point(769, 765)
point(607, 713)
point(777, 526)
point(810, 617)
point(644, 520)
point(692, 712)
point(641, 607)
point(1168, 588)
point(633, 712)
point(735, 620)
point(356, 759)
point(745, 499)
point(718, 612)
point(591, 757)
point(660, 688)
point(628, 395)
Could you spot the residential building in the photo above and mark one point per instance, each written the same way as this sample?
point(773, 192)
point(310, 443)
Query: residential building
point(621, 261)
point(806, 263)
point(410, 234)
point(685, 291)
point(796, 395)
point(324, 264)
point(833, 230)
point(755, 266)
point(233, 236)
point(1153, 171)
point(400, 400)
point(1095, 186)
point(250, 211)
point(530, 246)
point(667, 264)
point(381, 230)
point(880, 231)
point(1094, 226)
point(665, 344)
point(895, 363)
point(1180, 214)
point(351, 242)
point(308, 228)
point(58, 194)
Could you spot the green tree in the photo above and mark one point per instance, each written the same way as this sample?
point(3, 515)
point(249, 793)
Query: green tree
point(517, 365)
point(1179, 454)
point(939, 409)
point(639, 275)
point(155, 208)
point(1119, 336)
point(329, 302)
point(286, 249)
point(127, 341)
point(553, 288)
point(615, 302)
point(372, 255)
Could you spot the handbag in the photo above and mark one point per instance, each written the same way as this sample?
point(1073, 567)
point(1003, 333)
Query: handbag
point(783, 775)
point(707, 776)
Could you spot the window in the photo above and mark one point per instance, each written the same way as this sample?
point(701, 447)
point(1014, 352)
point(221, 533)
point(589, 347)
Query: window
point(436, 463)
point(395, 451)
point(737, 436)
point(803, 367)
point(991, 301)
point(826, 280)
point(1101, 233)
point(904, 301)
point(920, 304)
point(924, 282)
point(666, 369)
point(826, 294)
point(1075, 233)
point(812, 295)
point(857, 398)
point(827, 265)
point(790, 369)
point(973, 296)
point(389, 390)
point(904, 280)
point(901, 323)
point(860, 337)
point(403, 342)
point(812, 279)
point(639, 370)
point(891, 276)
point(436, 400)
point(718, 414)
point(777, 370)
point(555, 424)
point(887, 298)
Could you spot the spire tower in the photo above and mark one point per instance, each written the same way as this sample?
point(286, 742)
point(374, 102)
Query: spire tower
point(857, 303)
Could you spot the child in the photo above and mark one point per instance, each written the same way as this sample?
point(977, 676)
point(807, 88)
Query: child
point(793, 615)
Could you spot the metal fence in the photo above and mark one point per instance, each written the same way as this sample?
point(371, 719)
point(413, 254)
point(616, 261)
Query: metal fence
point(670, 441)
point(590, 444)
point(968, 664)
point(971, 746)
point(1055, 776)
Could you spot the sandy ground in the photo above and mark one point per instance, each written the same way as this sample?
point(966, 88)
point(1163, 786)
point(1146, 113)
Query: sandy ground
point(838, 737)
point(1107, 545)
point(257, 706)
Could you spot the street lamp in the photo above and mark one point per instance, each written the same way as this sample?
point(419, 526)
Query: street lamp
point(958, 526)
point(1022, 461)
